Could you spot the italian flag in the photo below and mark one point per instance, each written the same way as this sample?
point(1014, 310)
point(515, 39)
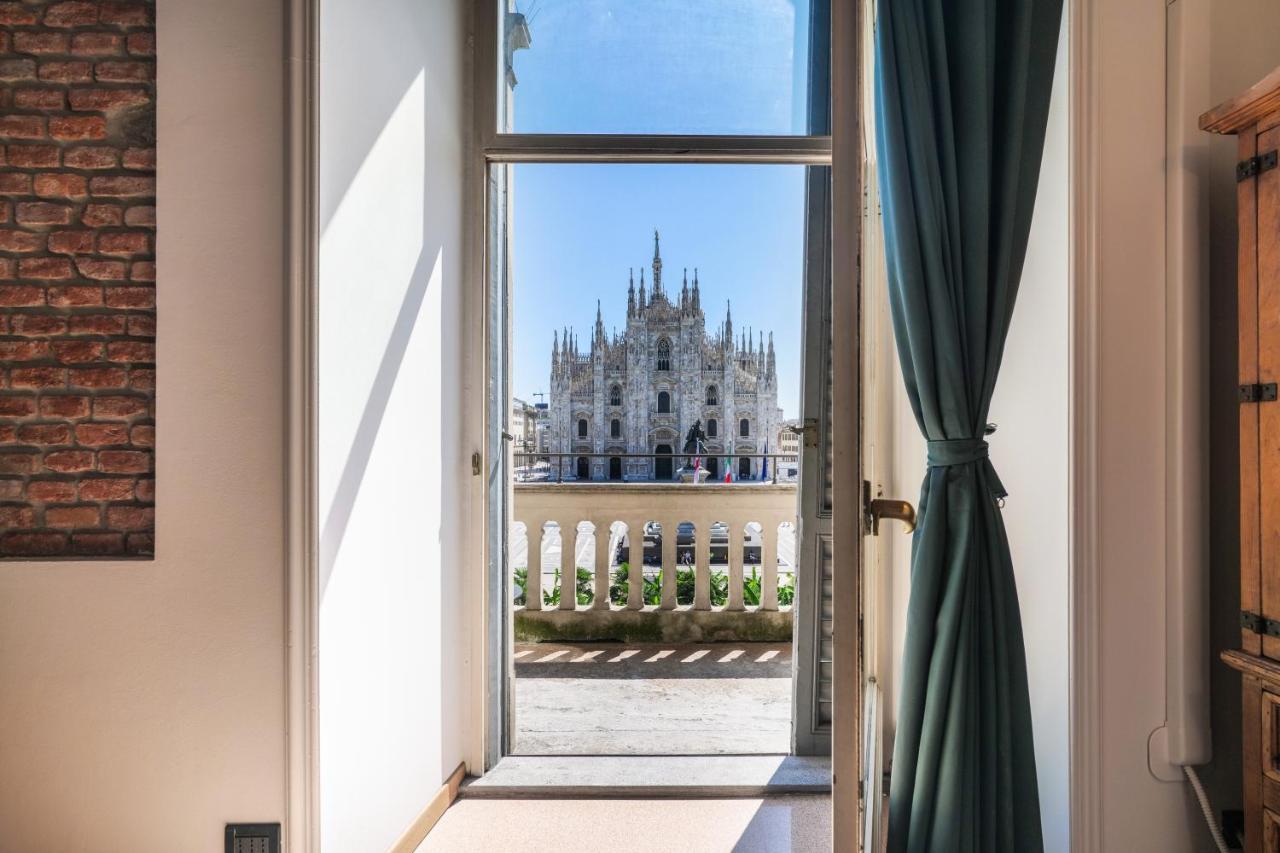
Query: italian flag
point(728, 468)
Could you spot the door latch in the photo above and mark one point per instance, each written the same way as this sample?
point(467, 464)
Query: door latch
point(808, 432)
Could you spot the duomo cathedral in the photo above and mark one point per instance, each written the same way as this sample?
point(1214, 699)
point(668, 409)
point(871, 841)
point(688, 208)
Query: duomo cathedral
point(642, 390)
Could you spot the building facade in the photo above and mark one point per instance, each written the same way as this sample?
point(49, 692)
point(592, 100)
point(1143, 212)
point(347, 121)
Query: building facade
point(639, 392)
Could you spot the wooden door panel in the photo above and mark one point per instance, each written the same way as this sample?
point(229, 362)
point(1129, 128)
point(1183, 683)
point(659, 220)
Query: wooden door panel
point(1267, 271)
point(1250, 549)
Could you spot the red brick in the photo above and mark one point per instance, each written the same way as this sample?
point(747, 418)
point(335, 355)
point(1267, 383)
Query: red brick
point(96, 435)
point(119, 407)
point(37, 377)
point(17, 15)
point(107, 489)
point(126, 14)
point(18, 462)
point(61, 186)
point(15, 183)
point(99, 270)
point(140, 215)
point(130, 517)
point(45, 434)
point(73, 516)
point(8, 269)
point(142, 44)
point(43, 213)
point(71, 14)
point(64, 406)
point(45, 268)
point(17, 69)
point(142, 326)
point(143, 435)
point(98, 324)
point(6, 211)
point(13, 517)
point(126, 297)
point(97, 544)
point(124, 243)
point(20, 241)
point(28, 350)
point(35, 325)
point(77, 352)
point(57, 491)
point(140, 544)
point(123, 186)
point(96, 44)
point(131, 351)
point(32, 156)
point(105, 100)
point(33, 544)
point(39, 99)
point(59, 71)
point(15, 295)
point(71, 242)
point(132, 71)
point(140, 158)
point(97, 377)
point(69, 461)
point(142, 379)
point(22, 127)
point(100, 215)
point(75, 128)
point(143, 271)
point(27, 41)
point(17, 405)
point(90, 157)
point(124, 461)
point(11, 489)
point(146, 488)
point(8, 433)
point(75, 296)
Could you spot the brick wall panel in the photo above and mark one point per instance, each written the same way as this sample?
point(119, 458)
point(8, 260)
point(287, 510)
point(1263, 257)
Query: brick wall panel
point(77, 279)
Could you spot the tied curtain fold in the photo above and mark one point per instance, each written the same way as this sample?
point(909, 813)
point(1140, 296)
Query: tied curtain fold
point(962, 93)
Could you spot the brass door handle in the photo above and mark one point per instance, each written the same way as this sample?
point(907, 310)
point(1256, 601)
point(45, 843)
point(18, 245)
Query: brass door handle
point(885, 508)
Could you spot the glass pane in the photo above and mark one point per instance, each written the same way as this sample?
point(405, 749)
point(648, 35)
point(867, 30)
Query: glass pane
point(704, 67)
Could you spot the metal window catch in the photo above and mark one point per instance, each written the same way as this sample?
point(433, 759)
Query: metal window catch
point(808, 432)
point(875, 509)
point(1264, 392)
point(1254, 166)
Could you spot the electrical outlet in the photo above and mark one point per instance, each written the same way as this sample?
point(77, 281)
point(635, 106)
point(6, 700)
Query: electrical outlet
point(1233, 828)
point(253, 838)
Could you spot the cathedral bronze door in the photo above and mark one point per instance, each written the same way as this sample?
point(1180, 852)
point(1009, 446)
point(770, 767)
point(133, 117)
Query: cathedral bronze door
point(615, 468)
point(662, 469)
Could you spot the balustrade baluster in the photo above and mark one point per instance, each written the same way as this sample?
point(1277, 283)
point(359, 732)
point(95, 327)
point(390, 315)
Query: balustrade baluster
point(769, 565)
point(669, 534)
point(533, 572)
point(604, 557)
point(702, 565)
point(568, 565)
point(734, 601)
point(635, 564)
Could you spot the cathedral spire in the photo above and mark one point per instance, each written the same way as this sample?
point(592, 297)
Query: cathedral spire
point(728, 324)
point(657, 266)
point(771, 368)
point(643, 302)
point(599, 338)
point(697, 298)
point(631, 293)
point(684, 291)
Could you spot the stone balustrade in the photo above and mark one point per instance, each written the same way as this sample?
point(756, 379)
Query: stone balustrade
point(569, 524)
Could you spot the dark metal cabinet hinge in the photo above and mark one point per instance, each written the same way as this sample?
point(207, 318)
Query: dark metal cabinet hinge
point(1258, 392)
point(1255, 166)
point(1258, 625)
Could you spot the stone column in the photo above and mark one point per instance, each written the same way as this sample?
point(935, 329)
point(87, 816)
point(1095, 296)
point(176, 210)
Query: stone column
point(568, 565)
point(769, 565)
point(533, 579)
point(670, 530)
point(635, 564)
point(734, 601)
point(702, 565)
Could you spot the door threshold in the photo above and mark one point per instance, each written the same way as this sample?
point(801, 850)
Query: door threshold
point(647, 776)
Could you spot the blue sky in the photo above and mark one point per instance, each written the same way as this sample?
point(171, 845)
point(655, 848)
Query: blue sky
point(658, 66)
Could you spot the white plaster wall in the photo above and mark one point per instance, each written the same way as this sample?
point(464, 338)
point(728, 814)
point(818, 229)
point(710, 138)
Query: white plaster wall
point(395, 718)
point(142, 703)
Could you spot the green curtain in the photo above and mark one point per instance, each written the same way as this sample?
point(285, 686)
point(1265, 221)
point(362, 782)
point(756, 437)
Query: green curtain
point(962, 101)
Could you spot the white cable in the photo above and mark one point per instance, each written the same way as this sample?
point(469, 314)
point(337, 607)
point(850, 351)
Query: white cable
point(1214, 829)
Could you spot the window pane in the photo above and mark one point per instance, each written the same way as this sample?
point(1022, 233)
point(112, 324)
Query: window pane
point(662, 66)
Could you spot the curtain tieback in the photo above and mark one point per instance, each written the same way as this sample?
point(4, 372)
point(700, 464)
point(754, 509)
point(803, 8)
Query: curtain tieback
point(947, 452)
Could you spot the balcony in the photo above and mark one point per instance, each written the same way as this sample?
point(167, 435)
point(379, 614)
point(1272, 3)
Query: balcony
point(679, 646)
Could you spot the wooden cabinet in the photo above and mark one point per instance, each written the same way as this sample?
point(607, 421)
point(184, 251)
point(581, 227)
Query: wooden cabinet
point(1253, 118)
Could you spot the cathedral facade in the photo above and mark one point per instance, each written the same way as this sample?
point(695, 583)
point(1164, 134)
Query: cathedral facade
point(639, 392)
